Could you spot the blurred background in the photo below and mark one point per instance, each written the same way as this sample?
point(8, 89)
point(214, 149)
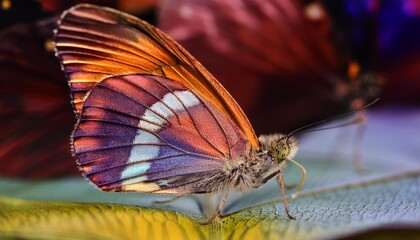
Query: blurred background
point(287, 63)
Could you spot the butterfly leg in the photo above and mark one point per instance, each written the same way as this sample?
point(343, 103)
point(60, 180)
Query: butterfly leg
point(358, 138)
point(225, 196)
point(286, 208)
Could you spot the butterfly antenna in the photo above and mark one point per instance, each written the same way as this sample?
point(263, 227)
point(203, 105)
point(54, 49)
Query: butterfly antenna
point(357, 120)
point(331, 118)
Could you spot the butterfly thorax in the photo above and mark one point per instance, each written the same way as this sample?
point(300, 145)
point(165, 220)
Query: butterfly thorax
point(267, 161)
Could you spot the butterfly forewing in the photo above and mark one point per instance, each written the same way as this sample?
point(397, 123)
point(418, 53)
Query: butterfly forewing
point(151, 134)
point(95, 43)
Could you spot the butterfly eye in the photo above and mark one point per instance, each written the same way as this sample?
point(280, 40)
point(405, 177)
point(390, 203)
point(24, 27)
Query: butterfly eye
point(280, 150)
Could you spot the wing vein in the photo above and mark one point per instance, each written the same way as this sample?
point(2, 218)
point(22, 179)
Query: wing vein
point(192, 119)
point(164, 143)
point(132, 163)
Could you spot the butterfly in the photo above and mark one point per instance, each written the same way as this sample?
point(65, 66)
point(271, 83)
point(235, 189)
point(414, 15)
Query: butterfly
point(152, 119)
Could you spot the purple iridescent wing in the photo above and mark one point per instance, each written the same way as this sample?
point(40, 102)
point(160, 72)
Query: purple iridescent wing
point(148, 133)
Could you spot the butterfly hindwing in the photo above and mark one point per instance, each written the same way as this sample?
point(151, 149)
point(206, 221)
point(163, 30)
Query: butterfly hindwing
point(147, 133)
point(94, 43)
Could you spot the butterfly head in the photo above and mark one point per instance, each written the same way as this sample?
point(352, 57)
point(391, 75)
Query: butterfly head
point(267, 161)
point(279, 147)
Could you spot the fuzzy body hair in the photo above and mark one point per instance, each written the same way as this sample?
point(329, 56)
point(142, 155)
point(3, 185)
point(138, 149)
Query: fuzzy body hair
point(264, 163)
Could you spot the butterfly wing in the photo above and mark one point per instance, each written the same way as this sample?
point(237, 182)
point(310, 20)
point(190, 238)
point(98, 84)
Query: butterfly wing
point(146, 133)
point(96, 42)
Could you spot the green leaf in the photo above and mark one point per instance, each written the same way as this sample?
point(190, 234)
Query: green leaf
point(321, 213)
point(53, 220)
